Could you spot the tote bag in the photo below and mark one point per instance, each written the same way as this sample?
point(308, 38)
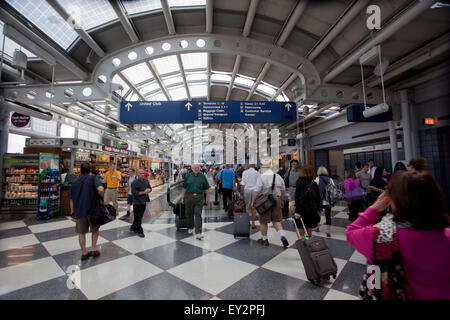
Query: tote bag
point(355, 194)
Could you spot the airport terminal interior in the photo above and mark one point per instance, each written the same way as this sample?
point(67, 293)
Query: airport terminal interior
point(161, 86)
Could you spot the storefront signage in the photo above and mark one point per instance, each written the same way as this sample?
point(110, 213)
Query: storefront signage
point(122, 145)
point(114, 150)
point(82, 156)
point(19, 120)
point(42, 142)
point(207, 111)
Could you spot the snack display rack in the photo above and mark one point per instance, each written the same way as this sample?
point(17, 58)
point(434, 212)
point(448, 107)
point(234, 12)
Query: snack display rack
point(49, 194)
point(20, 183)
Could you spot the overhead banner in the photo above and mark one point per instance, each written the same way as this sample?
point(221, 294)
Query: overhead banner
point(19, 120)
point(207, 111)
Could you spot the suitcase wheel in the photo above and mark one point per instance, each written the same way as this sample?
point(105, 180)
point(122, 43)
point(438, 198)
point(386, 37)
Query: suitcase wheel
point(234, 234)
point(313, 282)
point(334, 276)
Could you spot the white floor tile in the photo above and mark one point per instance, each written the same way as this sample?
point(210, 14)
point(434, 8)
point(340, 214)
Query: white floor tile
point(27, 274)
point(114, 224)
point(274, 237)
point(51, 226)
point(215, 225)
point(336, 233)
point(157, 226)
point(213, 272)
point(358, 258)
point(215, 298)
point(342, 215)
point(12, 225)
point(339, 208)
point(18, 242)
point(338, 295)
point(135, 244)
point(69, 244)
point(109, 277)
point(212, 240)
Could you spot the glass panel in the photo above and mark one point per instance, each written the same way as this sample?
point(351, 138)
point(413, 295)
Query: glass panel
point(157, 97)
point(138, 73)
point(166, 65)
point(280, 98)
point(266, 89)
point(178, 93)
point(194, 60)
point(149, 88)
point(83, 134)
point(198, 90)
point(186, 3)
point(117, 79)
point(197, 76)
point(43, 126)
point(16, 143)
point(220, 77)
point(89, 13)
point(244, 81)
point(11, 45)
point(67, 131)
point(138, 6)
point(44, 17)
point(173, 80)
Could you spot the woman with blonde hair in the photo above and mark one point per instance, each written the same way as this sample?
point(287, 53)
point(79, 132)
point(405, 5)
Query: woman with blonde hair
point(322, 181)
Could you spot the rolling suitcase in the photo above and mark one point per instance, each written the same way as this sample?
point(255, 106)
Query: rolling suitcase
point(316, 257)
point(241, 225)
point(179, 210)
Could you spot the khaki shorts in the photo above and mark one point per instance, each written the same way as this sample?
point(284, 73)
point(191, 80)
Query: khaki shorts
point(273, 215)
point(83, 224)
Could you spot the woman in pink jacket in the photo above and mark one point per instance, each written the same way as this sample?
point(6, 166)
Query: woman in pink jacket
point(410, 247)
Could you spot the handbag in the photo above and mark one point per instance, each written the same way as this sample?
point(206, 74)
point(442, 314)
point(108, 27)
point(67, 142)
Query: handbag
point(286, 180)
point(265, 202)
point(239, 206)
point(355, 194)
point(101, 214)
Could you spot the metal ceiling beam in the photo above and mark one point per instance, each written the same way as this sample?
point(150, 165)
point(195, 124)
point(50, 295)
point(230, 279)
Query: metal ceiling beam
point(262, 74)
point(387, 30)
point(152, 68)
point(429, 74)
point(342, 22)
point(246, 31)
point(293, 19)
point(208, 72)
point(81, 32)
point(119, 9)
point(183, 73)
point(209, 15)
point(131, 85)
point(62, 57)
point(284, 86)
point(168, 16)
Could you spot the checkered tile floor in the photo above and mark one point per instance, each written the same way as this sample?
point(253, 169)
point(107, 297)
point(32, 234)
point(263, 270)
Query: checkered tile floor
point(37, 258)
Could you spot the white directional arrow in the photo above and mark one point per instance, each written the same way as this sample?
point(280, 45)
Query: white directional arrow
point(128, 106)
point(188, 105)
point(288, 106)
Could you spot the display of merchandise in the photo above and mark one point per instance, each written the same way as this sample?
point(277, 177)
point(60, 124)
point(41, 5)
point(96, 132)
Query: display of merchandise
point(20, 183)
point(49, 194)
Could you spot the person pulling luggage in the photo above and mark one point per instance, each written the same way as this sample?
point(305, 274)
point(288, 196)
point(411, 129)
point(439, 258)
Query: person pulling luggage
point(194, 185)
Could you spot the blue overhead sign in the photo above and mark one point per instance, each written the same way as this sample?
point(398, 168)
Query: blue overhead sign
point(207, 111)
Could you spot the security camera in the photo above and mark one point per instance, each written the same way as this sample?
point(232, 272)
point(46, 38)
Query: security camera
point(376, 110)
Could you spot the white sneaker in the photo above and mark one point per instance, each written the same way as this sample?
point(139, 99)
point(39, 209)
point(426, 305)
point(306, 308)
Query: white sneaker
point(199, 236)
point(190, 231)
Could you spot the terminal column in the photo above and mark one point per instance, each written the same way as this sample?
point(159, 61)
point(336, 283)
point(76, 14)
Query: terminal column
point(4, 127)
point(407, 134)
point(393, 140)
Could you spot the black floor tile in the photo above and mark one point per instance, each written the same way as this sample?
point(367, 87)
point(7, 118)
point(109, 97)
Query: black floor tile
point(263, 284)
point(9, 233)
point(116, 234)
point(56, 234)
point(349, 280)
point(22, 255)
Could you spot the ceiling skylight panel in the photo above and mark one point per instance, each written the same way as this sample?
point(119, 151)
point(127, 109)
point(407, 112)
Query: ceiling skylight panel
point(244, 81)
point(140, 6)
point(196, 77)
point(173, 80)
point(89, 13)
point(198, 90)
point(266, 89)
point(178, 93)
point(194, 60)
point(138, 73)
point(280, 98)
point(166, 65)
point(117, 79)
point(149, 88)
point(157, 97)
point(186, 3)
point(220, 77)
point(44, 17)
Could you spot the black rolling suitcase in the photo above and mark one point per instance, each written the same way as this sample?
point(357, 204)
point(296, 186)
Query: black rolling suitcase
point(179, 210)
point(231, 203)
point(241, 225)
point(316, 257)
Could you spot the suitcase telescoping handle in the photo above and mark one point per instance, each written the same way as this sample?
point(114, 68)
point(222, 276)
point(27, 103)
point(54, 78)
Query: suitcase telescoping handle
point(304, 228)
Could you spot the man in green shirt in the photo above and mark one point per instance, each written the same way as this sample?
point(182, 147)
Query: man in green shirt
point(194, 184)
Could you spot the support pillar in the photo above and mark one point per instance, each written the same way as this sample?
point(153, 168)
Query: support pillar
point(4, 127)
point(407, 134)
point(393, 140)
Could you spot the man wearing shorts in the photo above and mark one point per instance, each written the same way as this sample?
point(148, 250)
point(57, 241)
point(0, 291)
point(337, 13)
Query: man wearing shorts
point(83, 196)
point(249, 179)
point(264, 186)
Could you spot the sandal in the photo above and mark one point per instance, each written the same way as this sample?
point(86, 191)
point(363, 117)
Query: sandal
point(85, 256)
point(94, 254)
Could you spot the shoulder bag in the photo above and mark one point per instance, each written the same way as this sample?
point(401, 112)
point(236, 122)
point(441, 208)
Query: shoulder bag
point(101, 213)
point(286, 180)
point(265, 202)
point(355, 194)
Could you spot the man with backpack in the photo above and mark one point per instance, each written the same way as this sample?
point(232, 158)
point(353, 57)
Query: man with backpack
point(326, 186)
